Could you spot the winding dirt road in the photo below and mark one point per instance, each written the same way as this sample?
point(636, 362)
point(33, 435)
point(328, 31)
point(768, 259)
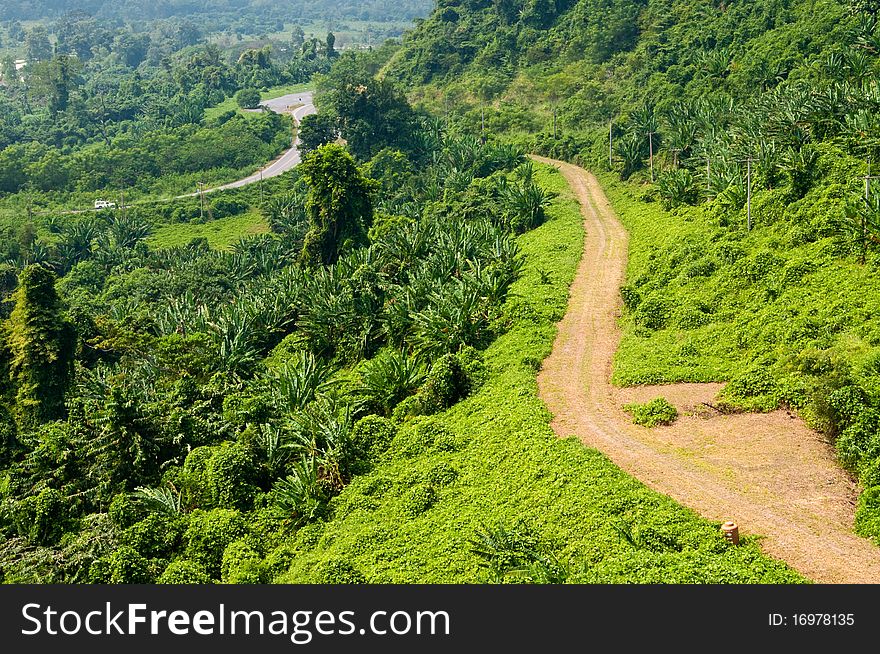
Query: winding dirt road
point(768, 472)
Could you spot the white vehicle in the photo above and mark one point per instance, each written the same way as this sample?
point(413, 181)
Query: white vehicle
point(104, 204)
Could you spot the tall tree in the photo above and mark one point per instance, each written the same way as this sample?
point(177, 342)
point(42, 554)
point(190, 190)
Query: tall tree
point(331, 45)
point(41, 341)
point(338, 204)
point(37, 44)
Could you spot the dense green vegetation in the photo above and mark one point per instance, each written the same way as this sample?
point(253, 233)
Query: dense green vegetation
point(707, 103)
point(347, 394)
point(654, 413)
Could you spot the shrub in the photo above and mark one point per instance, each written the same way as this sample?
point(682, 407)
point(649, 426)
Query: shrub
point(241, 564)
point(445, 384)
point(223, 207)
point(754, 390)
point(656, 412)
point(156, 536)
point(248, 98)
point(630, 297)
point(194, 479)
point(677, 187)
point(372, 435)
point(653, 313)
point(208, 535)
point(300, 497)
point(124, 511)
point(338, 571)
point(42, 518)
point(420, 435)
point(418, 500)
point(230, 474)
point(183, 571)
point(442, 474)
point(387, 380)
point(127, 566)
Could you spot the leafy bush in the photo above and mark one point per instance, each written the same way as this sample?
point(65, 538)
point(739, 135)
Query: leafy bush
point(42, 518)
point(372, 435)
point(754, 390)
point(678, 187)
point(208, 535)
point(338, 571)
point(124, 566)
point(184, 572)
point(418, 500)
point(241, 564)
point(653, 312)
point(300, 497)
point(654, 413)
point(230, 475)
point(248, 98)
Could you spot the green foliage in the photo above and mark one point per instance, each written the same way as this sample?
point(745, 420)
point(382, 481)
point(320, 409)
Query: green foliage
point(338, 204)
point(372, 435)
point(300, 497)
point(209, 534)
point(338, 571)
point(754, 390)
point(42, 518)
point(498, 456)
point(41, 342)
point(654, 413)
point(127, 566)
point(388, 379)
point(247, 98)
point(242, 564)
point(314, 131)
point(184, 572)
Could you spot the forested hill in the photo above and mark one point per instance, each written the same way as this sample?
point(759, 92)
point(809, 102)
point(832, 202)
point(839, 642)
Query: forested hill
point(752, 131)
point(287, 10)
point(602, 56)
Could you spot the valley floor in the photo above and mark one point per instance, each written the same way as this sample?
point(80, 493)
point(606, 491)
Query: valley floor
point(768, 472)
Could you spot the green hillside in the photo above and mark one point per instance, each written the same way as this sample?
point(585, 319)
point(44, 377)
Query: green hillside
point(708, 103)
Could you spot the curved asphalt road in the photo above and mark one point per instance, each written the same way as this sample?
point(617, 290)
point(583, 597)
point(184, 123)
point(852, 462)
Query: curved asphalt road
point(298, 105)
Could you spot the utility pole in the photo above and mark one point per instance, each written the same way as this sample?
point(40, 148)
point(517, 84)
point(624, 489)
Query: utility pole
point(651, 150)
point(868, 179)
point(201, 201)
point(554, 122)
point(261, 186)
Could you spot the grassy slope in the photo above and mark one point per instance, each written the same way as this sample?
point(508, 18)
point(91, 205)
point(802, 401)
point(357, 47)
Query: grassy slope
point(775, 297)
point(221, 233)
point(510, 467)
point(784, 301)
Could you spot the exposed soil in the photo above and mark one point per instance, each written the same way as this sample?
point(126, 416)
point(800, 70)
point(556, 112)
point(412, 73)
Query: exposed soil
point(769, 473)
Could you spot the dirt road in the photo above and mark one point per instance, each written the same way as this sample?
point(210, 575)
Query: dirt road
point(768, 472)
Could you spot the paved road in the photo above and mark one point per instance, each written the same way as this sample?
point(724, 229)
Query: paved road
point(298, 105)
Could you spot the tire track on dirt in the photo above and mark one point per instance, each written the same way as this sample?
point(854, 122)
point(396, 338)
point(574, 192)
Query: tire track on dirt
point(768, 472)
